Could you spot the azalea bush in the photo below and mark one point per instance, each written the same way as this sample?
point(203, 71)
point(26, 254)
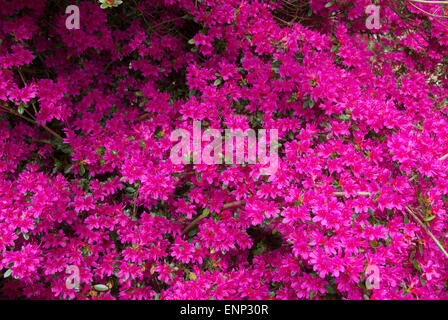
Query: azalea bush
point(356, 210)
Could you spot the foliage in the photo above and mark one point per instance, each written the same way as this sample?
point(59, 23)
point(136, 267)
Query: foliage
point(86, 180)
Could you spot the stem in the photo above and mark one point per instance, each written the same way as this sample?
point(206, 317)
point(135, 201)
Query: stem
point(10, 111)
point(232, 204)
point(166, 21)
point(202, 216)
point(6, 109)
point(38, 140)
point(438, 244)
point(35, 110)
point(429, 2)
point(142, 117)
point(360, 193)
point(444, 157)
point(367, 194)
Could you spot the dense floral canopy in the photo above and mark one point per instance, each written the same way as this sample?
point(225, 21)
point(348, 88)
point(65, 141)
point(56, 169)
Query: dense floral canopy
point(86, 179)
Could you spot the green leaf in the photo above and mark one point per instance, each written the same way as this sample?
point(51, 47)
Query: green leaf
point(217, 82)
point(422, 281)
point(101, 287)
point(21, 108)
point(329, 4)
point(100, 150)
point(82, 170)
point(306, 103)
point(192, 276)
point(206, 212)
point(7, 273)
point(416, 266)
point(192, 233)
point(330, 289)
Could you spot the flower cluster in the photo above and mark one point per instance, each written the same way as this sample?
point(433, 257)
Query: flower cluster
point(86, 178)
